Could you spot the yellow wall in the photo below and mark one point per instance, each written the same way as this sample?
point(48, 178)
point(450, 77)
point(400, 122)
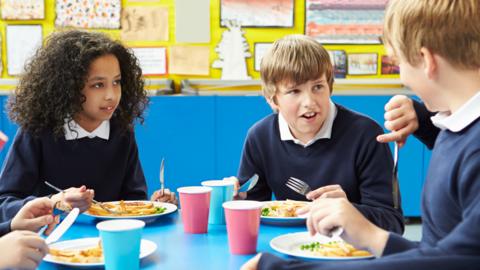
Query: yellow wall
point(252, 35)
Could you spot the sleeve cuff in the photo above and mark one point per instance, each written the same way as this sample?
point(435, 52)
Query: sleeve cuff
point(396, 243)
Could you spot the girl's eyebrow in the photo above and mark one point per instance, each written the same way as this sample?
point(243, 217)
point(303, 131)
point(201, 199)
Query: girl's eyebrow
point(99, 78)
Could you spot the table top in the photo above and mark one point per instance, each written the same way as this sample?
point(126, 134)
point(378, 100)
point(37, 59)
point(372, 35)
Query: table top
point(178, 250)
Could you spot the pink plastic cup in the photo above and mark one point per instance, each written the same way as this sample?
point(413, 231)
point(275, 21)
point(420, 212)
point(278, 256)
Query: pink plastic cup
point(195, 204)
point(243, 221)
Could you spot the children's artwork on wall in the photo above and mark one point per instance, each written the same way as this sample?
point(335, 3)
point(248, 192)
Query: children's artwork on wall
point(255, 13)
point(88, 14)
point(339, 62)
point(362, 64)
point(153, 60)
point(147, 23)
point(389, 66)
point(22, 9)
point(345, 21)
point(232, 51)
point(261, 49)
point(1, 62)
point(189, 60)
point(22, 43)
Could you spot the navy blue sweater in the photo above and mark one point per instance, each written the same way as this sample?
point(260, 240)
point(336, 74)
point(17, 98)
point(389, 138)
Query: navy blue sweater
point(110, 167)
point(451, 213)
point(426, 132)
point(351, 158)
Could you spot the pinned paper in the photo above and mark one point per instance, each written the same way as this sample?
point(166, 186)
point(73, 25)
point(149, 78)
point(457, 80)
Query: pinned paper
point(88, 14)
point(152, 60)
point(22, 43)
point(22, 9)
point(189, 60)
point(145, 24)
point(192, 21)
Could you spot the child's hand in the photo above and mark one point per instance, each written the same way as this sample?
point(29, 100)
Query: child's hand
point(330, 191)
point(252, 264)
point(400, 118)
point(326, 214)
point(236, 195)
point(80, 198)
point(34, 215)
point(22, 249)
point(167, 196)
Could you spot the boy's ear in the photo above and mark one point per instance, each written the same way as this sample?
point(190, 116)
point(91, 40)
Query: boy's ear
point(273, 104)
point(429, 62)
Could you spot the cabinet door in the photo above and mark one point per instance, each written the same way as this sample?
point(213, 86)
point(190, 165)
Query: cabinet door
point(181, 130)
point(411, 161)
point(234, 115)
point(7, 127)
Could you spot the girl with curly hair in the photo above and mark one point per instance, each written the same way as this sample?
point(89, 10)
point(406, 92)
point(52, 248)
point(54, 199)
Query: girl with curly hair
point(76, 106)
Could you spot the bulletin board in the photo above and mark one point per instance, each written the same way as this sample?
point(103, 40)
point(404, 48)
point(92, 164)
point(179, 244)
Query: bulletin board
point(253, 35)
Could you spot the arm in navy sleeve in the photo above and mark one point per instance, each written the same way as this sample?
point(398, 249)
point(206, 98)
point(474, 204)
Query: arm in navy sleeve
point(134, 186)
point(19, 175)
point(5, 227)
point(427, 133)
point(374, 165)
point(250, 164)
point(447, 262)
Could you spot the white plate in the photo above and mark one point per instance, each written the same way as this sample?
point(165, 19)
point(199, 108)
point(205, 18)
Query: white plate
point(282, 221)
point(290, 244)
point(170, 208)
point(147, 247)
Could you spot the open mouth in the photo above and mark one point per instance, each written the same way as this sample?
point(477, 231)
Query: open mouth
point(309, 115)
point(108, 108)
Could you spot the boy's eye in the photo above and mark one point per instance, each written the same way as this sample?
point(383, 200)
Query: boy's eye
point(318, 87)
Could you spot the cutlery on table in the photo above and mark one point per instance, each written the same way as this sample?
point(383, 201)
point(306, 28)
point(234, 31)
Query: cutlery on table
point(298, 186)
point(63, 227)
point(93, 200)
point(249, 184)
point(162, 179)
point(395, 187)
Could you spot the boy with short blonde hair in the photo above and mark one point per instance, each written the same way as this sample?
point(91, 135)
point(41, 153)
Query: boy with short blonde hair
point(328, 146)
point(437, 43)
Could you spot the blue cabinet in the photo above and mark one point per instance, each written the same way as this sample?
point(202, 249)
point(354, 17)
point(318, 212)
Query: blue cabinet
point(201, 137)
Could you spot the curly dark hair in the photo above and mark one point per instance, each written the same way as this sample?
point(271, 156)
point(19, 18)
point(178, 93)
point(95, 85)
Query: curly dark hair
point(49, 92)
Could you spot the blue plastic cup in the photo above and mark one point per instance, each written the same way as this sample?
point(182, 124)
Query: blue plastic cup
point(121, 243)
point(222, 191)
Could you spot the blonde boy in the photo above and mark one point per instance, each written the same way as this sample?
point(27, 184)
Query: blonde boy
point(437, 43)
point(327, 145)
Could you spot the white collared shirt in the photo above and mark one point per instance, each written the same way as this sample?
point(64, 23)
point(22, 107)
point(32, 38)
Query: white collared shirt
point(459, 120)
point(77, 132)
point(324, 133)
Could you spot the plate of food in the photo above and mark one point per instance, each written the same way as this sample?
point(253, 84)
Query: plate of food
point(87, 252)
point(131, 209)
point(282, 212)
point(318, 247)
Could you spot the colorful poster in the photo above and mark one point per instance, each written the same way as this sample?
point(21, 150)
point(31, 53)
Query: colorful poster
point(345, 21)
point(254, 13)
point(22, 9)
point(362, 64)
point(88, 14)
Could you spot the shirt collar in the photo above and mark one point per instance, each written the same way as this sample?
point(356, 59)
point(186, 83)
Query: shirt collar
point(77, 132)
point(459, 120)
point(324, 133)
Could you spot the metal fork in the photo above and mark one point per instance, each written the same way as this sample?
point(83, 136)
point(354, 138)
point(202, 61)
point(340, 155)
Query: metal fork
point(298, 186)
point(94, 201)
point(162, 179)
point(395, 187)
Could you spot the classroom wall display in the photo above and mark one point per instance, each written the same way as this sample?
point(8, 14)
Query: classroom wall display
point(189, 60)
point(145, 23)
point(389, 66)
point(192, 21)
point(261, 49)
point(22, 43)
point(339, 62)
point(254, 13)
point(362, 63)
point(153, 60)
point(88, 14)
point(345, 21)
point(1, 62)
point(22, 9)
